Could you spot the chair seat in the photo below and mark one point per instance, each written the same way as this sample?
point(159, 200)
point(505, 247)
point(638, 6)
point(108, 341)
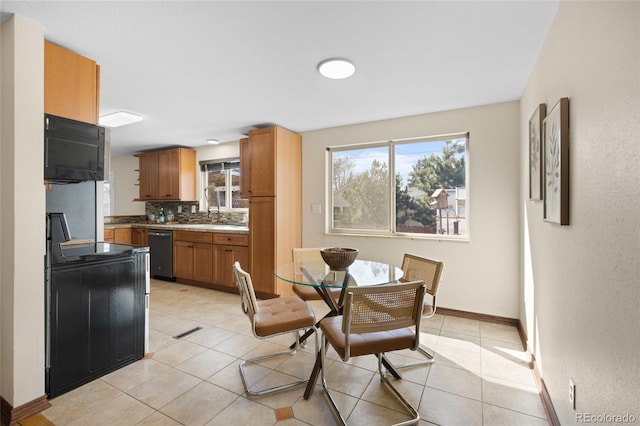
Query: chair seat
point(282, 314)
point(366, 343)
point(307, 292)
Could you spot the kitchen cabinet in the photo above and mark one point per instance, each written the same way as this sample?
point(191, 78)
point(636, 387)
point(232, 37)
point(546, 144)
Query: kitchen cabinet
point(139, 237)
point(192, 256)
point(71, 84)
point(275, 204)
point(148, 175)
point(122, 236)
point(168, 175)
point(228, 249)
point(109, 235)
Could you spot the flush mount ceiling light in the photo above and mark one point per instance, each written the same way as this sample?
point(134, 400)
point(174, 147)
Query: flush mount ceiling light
point(213, 141)
point(336, 68)
point(120, 118)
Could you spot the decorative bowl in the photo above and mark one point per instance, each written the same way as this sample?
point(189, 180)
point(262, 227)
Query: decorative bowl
point(339, 258)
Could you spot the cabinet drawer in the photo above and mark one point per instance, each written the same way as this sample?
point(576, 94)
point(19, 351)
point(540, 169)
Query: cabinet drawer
point(231, 239)
point(193, 237)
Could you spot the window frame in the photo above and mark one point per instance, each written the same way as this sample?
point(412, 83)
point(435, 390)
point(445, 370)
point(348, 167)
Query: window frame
point(228, 186)
point(391, 231)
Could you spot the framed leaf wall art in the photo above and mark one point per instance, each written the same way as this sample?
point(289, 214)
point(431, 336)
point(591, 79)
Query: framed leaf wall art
point(535, 152)
point(556, 163)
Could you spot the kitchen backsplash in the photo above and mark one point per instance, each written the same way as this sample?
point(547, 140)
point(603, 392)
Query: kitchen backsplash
point(213, 217)
point(171, 209)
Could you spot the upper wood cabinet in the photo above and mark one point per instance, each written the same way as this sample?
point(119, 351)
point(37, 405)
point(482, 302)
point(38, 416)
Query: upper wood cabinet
point(168, 175)
point(71, 84)
point(265, 159)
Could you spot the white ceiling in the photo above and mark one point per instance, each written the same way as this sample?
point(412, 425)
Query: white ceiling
point(213, 69)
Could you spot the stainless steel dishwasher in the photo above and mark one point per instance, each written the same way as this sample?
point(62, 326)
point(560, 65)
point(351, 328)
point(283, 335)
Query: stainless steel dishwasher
point(161, 250)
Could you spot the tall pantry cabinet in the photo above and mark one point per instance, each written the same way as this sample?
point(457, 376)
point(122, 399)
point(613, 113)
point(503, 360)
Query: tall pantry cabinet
point(271, 164)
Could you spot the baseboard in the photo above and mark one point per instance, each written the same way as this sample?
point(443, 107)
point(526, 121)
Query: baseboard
point(544, 393)
point(13, 416)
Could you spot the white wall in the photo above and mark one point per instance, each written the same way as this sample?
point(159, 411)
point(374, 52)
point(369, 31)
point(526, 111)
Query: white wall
point(580, 282)
point(124, 185)
point(480, 275)
point(22, 210)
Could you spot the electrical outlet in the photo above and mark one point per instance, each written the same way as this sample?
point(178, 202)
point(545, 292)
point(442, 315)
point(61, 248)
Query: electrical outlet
point(193, 209)
point(572, 394)
point(179, 209)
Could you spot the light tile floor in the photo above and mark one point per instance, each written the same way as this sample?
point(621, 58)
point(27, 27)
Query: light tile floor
point(480, 376)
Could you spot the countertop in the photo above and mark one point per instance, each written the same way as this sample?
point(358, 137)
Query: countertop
point(196, 227)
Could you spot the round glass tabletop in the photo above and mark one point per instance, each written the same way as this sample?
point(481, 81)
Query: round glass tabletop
point(317, 273)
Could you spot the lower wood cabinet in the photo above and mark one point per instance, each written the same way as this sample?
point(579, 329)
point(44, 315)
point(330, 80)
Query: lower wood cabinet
point(223, 259)
point(109, 235)
point(192, 256)
point(206, 259)
point(122, 236)
point(139, 237)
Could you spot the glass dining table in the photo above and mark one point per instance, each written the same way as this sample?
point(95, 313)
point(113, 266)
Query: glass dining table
point(317, 274)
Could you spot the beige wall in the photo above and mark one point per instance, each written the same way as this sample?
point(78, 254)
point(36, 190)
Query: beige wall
point(580, 282)
point(480, 275)
point(22, 212)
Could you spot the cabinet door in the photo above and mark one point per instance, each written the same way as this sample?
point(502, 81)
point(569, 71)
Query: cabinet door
point(139, 237)
point(122, 236)
point(203, 262)
point(109, 235)
point(262, 146)
point(245, 168)
point(221, 262)
point(183, 259)
point(169, 174)
point(71, 84)
point(148, 176)
point(262, 234)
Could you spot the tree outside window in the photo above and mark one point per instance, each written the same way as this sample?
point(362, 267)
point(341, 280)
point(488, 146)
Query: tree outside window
point(415, 186)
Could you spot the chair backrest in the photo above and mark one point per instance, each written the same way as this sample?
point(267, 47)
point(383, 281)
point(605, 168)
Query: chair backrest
point(302, 254)
point(420, 268)
point(382, 308)
point(248, 299)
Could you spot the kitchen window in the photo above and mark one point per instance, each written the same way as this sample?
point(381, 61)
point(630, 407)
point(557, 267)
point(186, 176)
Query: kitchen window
point(410, 187)
point(221, 184)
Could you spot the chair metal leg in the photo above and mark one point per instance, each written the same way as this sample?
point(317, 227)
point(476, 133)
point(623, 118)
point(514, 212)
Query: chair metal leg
point(262, 392)
point(328, 397)
point(423, 351)
point(414, 413)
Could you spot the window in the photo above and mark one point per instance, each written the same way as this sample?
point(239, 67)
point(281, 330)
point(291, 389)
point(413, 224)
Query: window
point(221, 183)
point(409, 186)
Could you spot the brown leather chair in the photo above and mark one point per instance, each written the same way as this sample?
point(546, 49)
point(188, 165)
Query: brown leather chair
point(375, 320)
point(427, 270)
point(270, 318)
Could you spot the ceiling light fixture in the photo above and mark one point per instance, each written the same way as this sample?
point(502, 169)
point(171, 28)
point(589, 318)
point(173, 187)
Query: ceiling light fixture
point(119, 118)
point(213, 141)
point(336, 68)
